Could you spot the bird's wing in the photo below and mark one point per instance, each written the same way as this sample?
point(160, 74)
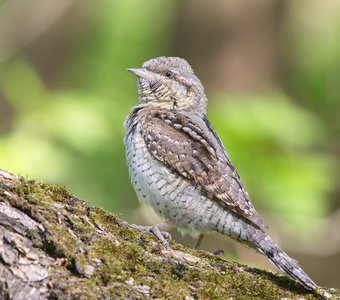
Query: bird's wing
point(190, 147)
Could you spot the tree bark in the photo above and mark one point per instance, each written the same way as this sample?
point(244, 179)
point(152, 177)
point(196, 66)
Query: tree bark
point(56, 246)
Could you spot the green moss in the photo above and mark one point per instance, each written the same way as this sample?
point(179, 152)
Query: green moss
point(109, 257)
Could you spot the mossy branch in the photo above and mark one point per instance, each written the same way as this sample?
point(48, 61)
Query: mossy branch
point(56, 246)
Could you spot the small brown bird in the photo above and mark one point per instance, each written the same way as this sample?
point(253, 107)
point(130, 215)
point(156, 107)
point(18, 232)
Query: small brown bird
point(179, 166)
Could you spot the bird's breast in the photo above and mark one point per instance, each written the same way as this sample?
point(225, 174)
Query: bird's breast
point(153, 182)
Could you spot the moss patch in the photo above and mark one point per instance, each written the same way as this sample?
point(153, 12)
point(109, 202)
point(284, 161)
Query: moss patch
point(97, 254)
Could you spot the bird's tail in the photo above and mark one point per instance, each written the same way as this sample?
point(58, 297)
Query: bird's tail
point(281, 260)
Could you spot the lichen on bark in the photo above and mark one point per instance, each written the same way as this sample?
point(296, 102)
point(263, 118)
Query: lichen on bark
point(56, 246)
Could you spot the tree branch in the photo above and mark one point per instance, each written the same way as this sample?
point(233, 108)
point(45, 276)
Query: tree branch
point(56, 246)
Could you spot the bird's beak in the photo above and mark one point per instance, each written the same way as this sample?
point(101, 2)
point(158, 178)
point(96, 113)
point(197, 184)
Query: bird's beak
point(142, 72)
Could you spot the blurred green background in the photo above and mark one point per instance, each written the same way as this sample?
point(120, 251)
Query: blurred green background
point(271, 70)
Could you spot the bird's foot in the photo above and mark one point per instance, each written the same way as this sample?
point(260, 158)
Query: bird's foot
point(158, 232)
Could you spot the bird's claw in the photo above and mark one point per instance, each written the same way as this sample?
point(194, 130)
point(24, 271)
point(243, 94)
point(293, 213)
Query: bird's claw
point(163, 236)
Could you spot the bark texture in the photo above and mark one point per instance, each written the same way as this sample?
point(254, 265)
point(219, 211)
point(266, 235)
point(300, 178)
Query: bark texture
point(56, 246)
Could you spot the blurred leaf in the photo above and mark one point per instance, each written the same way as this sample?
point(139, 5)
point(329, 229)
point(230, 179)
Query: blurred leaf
point(21, 85)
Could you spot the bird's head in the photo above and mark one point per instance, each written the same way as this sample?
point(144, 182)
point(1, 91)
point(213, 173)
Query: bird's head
point(170, 83)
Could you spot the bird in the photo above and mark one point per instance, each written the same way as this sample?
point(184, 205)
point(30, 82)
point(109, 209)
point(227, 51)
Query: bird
point(180, 167)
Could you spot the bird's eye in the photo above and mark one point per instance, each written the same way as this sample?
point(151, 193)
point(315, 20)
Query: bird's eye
point(169, 74)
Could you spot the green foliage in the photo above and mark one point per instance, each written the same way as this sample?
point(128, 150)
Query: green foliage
point(312, 60)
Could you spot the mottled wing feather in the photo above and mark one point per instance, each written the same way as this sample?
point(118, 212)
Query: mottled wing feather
point(193, 150)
